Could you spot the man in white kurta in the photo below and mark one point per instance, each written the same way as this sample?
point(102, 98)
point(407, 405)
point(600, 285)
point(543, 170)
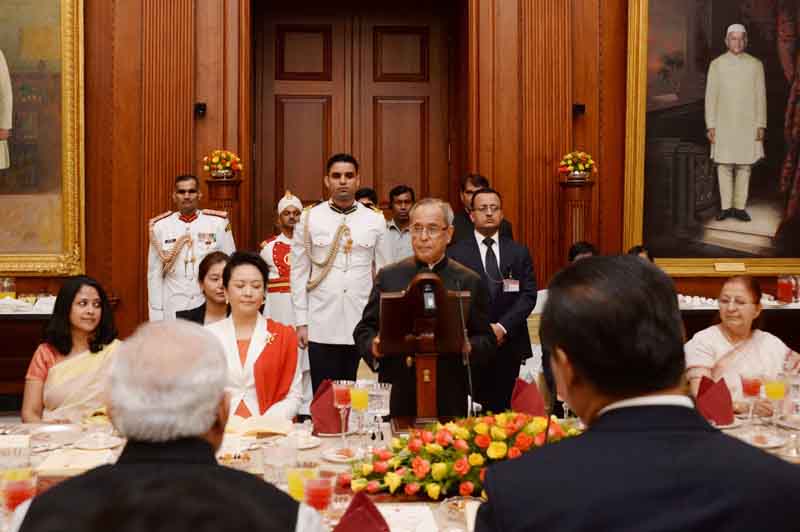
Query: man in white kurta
point(335, 246)
point(736, 118)
point(6, 112)
point(178, 243)
point(276, 252)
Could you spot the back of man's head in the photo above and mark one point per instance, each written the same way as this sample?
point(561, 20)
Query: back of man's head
point(167, 382)
point(618, 322)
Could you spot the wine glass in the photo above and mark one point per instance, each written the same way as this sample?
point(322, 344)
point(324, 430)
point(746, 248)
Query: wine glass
point(378, 407)
point(751, 390)
point(775, 389)
point(341, 400)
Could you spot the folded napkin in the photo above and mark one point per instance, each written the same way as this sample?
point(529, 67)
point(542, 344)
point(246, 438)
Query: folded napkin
point(324, 415)
point(362, 516)
point(714, 401)
point(526, 398)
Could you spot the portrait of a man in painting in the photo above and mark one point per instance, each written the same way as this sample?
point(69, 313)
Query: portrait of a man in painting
point(722, 142)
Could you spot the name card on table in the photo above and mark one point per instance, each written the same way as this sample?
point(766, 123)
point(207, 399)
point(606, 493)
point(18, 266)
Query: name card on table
point(15, 450)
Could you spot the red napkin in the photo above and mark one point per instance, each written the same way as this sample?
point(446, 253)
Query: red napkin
point(714, 401)
point(362, 516)
point(526, 398)
point(324, 415)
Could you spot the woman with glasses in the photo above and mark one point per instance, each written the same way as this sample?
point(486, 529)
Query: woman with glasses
point(736, 346)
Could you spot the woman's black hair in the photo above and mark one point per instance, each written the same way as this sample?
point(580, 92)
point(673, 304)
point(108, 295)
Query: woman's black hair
point(238, 258)
point(215, 257)
point(59, 329)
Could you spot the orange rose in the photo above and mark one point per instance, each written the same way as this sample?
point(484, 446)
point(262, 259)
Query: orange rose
point(514, 452)
point(465, 489)
point(523, 441)
point(461, 466)
point(483, 440)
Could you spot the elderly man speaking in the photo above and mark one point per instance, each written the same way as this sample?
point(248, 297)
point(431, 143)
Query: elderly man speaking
point(431, 227)
point(168, 399)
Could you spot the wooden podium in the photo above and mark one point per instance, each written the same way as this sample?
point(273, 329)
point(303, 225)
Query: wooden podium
point(420, 323)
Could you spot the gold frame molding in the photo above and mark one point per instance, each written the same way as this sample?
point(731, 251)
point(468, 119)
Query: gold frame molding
point(634, 169)
point(71, 259)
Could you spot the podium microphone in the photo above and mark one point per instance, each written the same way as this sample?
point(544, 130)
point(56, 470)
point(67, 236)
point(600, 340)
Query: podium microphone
point(465, 355)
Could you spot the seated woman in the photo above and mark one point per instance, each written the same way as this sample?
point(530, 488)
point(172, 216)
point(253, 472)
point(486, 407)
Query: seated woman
point(263, 374)
point(736, 347)
point(215, 307)
point(66, 377)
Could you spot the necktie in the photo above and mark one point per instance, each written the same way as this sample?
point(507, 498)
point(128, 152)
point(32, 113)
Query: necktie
point(492, 270)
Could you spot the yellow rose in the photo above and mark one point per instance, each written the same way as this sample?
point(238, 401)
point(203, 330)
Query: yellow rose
point(538, 425)
point(451, 427)
point(206, 167)
point(366, 469)
point(439, 470)
point(433, 490)
point(461, 433)
point(481, 428)
point(397, 444)
point(434, 448)
point(215, 160)
point(393, 480)
point(358, 484)
point(580, 167)
point(498, 433)
point(476, 459)
point(394, 462)
point(496, 450)
point(501, 420)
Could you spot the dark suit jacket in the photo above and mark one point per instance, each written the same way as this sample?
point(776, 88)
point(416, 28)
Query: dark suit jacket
point(644, 469)
point(197, 314)
point(464, 228)
point(510, 309)
point(78, 503)
point(451, 383)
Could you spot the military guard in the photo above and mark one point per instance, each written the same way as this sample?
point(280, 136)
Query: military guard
point(178, 242)
point(336, 245)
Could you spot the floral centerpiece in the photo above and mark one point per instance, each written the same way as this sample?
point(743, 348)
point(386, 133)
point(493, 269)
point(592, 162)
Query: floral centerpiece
point(577, 164)
point(222, 163)
point(451, 459)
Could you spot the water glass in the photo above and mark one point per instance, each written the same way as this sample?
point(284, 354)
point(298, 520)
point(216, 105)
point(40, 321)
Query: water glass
point(318, 492)
point(379, 394)
point(276, 456)
point(17, 485)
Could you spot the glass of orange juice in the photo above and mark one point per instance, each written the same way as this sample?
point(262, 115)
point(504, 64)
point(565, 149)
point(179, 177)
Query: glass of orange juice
point(775, 390)
point(296, 477)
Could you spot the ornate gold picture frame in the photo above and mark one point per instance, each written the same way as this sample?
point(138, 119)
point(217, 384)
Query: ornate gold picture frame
point(42, 180)
point(636, 144)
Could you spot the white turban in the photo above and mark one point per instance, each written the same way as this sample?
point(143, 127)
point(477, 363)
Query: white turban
point(289, 200)
point(737, 28)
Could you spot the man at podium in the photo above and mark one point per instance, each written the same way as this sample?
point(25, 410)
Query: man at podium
point(431, 229)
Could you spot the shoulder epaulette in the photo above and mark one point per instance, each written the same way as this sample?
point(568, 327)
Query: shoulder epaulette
point(212, 212)
point(263, 244)
point(312, 205)
point(378, 210)
point(161, 216)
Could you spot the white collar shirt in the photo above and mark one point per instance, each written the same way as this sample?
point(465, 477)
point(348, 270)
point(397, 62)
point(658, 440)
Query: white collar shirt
point(483, 248)
point(649, 400)
point(400, 241)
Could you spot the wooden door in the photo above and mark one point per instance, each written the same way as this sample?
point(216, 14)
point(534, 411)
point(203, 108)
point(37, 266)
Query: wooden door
point(361, 78)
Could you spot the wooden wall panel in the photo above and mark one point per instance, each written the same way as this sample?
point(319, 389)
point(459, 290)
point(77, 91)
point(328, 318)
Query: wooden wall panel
point(401, 144)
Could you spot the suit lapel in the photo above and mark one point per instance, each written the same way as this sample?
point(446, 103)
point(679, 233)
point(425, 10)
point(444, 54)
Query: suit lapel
point(475, 256)
point(257, 343)
point(505, 256)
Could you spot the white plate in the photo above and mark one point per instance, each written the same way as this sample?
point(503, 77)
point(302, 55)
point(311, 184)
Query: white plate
point(334, 434)
point(97, 442)
point(54, 433)
point(308, 442)
point(790, 422)
point(770, 442)
point(332, 456)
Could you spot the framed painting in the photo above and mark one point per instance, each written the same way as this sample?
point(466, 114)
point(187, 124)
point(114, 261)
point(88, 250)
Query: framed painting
point(41, 138)
point(712, 169)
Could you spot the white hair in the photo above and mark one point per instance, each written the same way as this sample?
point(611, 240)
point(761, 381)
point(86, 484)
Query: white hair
point(167, 381)
point(447, 210)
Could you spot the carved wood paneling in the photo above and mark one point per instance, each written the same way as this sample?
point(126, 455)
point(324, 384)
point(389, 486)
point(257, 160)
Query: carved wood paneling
point(400, 143)
point(303, 52)
point(400, 53)
point(302, 143)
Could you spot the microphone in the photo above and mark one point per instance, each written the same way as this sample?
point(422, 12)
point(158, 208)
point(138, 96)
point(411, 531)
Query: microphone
point(464, 354)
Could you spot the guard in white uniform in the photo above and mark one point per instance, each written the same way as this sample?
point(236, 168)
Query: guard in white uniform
point(276, 252)
point(335, 247)
point(178, 242)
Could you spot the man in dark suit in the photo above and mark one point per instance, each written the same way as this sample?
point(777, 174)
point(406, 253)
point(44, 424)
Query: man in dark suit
point(648, 461)
point(462, 222)
point(431, 230)
point(507, 269)
point(167, 396)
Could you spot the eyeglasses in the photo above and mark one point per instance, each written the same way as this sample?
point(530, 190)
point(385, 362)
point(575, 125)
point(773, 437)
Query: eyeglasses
point(483, 209)
point(734, 302)
point(433, 230)
point(190, 192)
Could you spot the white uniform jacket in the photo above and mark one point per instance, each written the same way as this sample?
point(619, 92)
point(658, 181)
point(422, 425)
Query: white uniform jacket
point(178, 288)
point(334, 307)
point(241, 379)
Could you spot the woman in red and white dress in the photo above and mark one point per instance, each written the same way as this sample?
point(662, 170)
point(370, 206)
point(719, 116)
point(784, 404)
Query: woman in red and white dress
point(276, 252)
point(264, 376)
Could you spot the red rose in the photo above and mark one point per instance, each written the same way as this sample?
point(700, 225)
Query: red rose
point(343, 480)
point(427, 436)
point(521, 419)
point(514, 452)
point(414, 445)
point(380, 467)
point(420, 467)
point(411, 489)
point(538, 440)
point(461, 445)
point(385, 454)
point(444, 438)
point(373, 486)
point(483, 440)
point(461, 466)
point(523, 441)
point(556, 432)
point(482, 474)
point(401, 470)
point(466, 488)
point(489, 420)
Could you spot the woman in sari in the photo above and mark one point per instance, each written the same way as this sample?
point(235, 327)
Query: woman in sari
point(66, 377)
point(263, 374)
point(736, 347)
